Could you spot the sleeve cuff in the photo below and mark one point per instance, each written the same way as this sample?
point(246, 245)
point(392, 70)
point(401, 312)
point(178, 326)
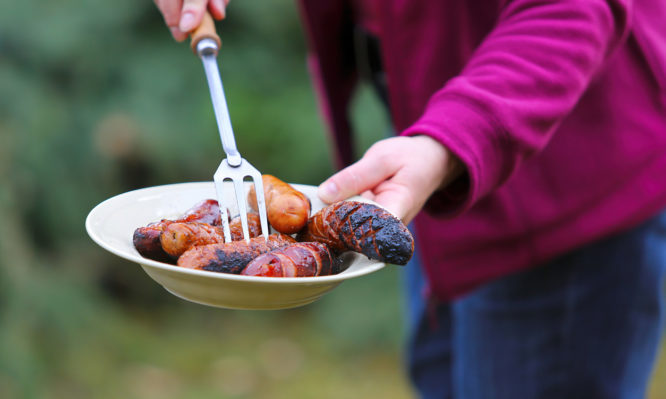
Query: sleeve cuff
point(475, 139)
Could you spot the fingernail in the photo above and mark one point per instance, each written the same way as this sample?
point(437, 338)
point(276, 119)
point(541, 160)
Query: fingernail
point(328, 191)
point(186, 22)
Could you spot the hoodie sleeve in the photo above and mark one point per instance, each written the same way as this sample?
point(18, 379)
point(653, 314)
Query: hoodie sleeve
point(521, 82)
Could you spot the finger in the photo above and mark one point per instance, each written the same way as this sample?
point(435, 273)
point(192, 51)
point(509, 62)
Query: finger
point(363, 175)
point(191, 14)
point(217, 9)
point(178, 34)
point(368, 195)
point(396, 199)
point(170, 11)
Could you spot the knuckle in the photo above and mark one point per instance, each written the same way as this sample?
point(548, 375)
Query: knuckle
point(193, 5)
point(377, 147)
point(386, 152)
point(386, 160)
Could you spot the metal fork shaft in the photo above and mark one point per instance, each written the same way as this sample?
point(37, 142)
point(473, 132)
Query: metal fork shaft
point(207, 51)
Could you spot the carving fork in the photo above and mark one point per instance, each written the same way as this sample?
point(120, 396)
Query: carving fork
point(205, 43)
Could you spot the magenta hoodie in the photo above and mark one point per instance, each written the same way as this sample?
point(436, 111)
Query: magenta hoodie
point(557, 108)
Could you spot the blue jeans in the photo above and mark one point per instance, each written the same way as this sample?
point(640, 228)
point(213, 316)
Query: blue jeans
point(585, 325)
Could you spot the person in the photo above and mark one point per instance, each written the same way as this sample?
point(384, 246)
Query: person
point(531, 156)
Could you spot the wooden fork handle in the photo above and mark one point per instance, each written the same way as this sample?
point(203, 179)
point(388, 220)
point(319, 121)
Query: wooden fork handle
point(206, 30)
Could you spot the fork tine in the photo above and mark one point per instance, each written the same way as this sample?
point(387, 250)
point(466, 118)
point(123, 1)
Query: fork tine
point(239, 188)
point(237, 175)
point(219, 179)
point(225, 224)
point(261, 203)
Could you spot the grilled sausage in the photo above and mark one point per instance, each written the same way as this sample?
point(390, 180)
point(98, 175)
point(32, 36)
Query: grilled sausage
point(361, 227)
point(287, 208)
point(230, 257)
point(303, 259)
point(179, 237)
point(253, 226)
point(147, 239)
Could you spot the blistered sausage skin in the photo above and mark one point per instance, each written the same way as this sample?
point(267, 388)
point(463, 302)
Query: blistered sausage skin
point(230, 257)
point(147, 239)
point(179, 237)
point(302, 259)
point(361, 227)
point(287, 208)
point(253, 226)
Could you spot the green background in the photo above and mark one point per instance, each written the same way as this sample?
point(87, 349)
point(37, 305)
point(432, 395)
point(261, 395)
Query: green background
point(96, 99)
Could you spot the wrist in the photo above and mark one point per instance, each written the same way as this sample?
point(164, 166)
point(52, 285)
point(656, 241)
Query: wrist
point(452, 186)
point(450, 165)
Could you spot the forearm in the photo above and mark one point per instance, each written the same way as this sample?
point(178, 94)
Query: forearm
point(522, 81)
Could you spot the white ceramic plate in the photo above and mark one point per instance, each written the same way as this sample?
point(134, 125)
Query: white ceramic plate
point(112, 223)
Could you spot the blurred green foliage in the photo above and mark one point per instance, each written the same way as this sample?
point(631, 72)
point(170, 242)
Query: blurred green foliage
point(96, 99)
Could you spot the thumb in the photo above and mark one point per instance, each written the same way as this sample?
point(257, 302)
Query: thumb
point(361, 176)
point(191, 15)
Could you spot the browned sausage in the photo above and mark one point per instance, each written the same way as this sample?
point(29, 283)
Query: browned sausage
point(361, 227)
point(230, 257)
point(179, 237)
point(302, 259)
point(147, 239)
point(287, 208)
point(253, 226)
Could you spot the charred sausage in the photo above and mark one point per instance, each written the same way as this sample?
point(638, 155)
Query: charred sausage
point(230, 257)
point(303, 259)
point(147, 239)
point(179, 237)
point(287, 208)
point(361, 227)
